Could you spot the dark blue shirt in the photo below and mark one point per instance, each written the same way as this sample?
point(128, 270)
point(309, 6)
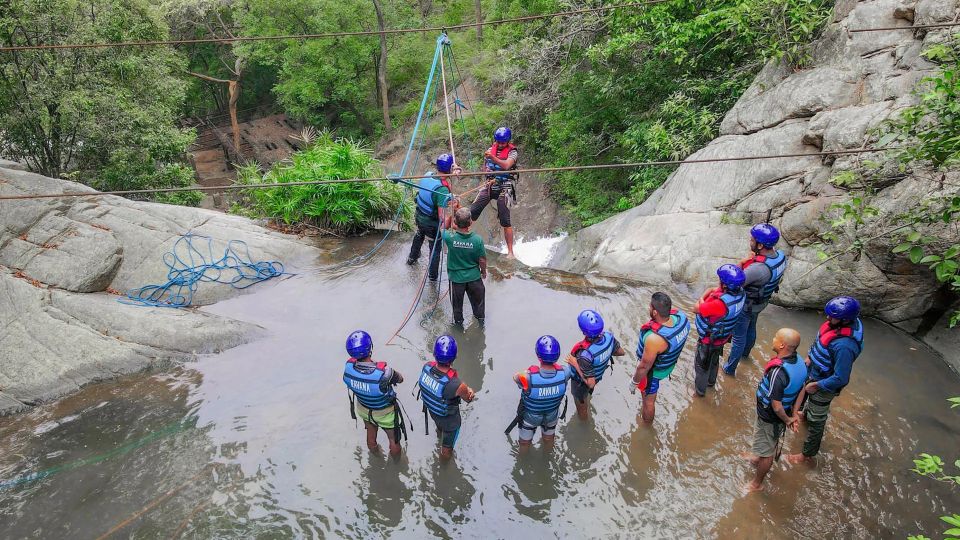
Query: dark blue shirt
point(844, 351)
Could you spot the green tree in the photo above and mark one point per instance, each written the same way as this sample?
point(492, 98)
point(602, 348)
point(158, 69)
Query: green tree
point(105, 116)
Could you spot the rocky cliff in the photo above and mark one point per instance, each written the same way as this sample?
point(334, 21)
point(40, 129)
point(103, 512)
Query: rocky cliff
point(701, 216)
point(60, 328)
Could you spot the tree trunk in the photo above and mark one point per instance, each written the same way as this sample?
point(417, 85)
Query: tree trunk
point(479, 11)
point(234, 124)
point(382, 68)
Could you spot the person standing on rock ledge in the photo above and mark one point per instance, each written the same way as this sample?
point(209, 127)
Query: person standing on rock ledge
point(466, 266)
point(658, 348)
point(783, 379)
point(432, 199)
point(717, 313)
point(371, 383)
point(500, 158)
point(839, 343)
point(763, 271)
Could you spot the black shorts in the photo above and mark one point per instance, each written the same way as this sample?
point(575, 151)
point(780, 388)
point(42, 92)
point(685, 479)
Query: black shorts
point(495, 192)
point(448, 427)
point(580, 390)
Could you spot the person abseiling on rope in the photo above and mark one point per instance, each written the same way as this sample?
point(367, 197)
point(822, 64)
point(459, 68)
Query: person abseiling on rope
point(466, 266)
point(763, 270)
point(590, 358)
point(542, 389)
point(441, 391)
point(783, 379)
point(501, 157)
point(371, 383)
point(432, 200)
point(839, 342)
point(717, 312)
point(658, 349)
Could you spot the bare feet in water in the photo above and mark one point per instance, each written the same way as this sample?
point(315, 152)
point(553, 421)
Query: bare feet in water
point(797, 459)
point(751, 487)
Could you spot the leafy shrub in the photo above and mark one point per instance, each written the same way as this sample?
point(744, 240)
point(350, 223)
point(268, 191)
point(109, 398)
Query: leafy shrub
point(346, 208)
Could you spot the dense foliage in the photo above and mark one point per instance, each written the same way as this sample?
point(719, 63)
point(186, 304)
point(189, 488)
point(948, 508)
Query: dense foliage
point(346, 208)
point(106, 117)
point(646, 84)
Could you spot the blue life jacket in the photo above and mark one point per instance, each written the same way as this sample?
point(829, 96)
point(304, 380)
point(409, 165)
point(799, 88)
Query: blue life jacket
point(821, 358)
point(601, 351)
point(545, 389)
point(796, 378)
point(428, 185)
point(502, 154)
point(720, 332)
point(432, 382)
point(366, 386)
point(777, 264)
point(676, 338)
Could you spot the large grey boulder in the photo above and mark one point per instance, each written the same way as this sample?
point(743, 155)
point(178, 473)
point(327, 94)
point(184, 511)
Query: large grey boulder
point(700, 217)
point(59, 330)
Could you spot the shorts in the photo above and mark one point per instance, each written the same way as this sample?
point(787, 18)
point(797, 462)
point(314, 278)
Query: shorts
point(765, 438)
point(531, 421)
point(653, 385)
point(383, 418)
point(448, 427)
point(579, 390)
point(496, 192)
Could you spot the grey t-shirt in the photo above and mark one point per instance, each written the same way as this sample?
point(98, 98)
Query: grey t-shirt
point(758, 275)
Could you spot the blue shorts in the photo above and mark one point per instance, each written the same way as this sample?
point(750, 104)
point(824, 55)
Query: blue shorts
point(653, 385)
point(448, 428)
point(531, 421)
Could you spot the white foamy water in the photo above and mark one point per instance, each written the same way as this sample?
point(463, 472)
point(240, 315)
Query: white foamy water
point(535, 252)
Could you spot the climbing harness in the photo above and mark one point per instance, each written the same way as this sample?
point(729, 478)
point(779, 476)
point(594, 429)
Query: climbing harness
point(189, 265)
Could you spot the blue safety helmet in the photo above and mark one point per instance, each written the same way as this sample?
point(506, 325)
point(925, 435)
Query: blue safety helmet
point(591, 323)
point(548, 349)
point(444, 163)
point(765, 234)
point(731, 276)
point(359, 344)
point(445, 350)
point(502, 134)
point(845, 308)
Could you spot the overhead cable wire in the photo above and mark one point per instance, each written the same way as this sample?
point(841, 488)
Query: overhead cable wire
point(386, 31)
point(630, 165)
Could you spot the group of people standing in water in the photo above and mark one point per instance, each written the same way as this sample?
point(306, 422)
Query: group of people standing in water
point(792, 388)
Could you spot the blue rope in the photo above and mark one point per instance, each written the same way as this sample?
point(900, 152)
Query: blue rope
point(188, 266)
point(424, 105)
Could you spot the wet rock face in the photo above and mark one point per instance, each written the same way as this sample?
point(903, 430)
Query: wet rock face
point(700, 218)
point(60, 329)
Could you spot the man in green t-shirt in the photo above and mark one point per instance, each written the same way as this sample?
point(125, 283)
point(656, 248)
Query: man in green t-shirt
point(466, 266)
point(432, 199)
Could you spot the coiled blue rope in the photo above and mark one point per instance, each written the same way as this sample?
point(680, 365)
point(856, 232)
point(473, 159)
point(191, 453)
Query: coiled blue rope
point(188, 266)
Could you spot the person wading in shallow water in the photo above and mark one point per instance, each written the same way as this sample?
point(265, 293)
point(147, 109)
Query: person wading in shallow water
point(466, 267)
point(763, 270)
point(839, 342)
point(542, 388)
point(441, 392)
point(777, 393)
point(659, 346)
point(500, 157)
point(432, 199)
point(717, 313)
point(372, 384)
point(590, 358)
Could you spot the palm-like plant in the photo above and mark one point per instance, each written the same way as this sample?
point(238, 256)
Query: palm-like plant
point(345, 208)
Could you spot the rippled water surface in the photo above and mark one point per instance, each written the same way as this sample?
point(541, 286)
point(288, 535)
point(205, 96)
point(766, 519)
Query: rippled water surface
point(257, 441)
